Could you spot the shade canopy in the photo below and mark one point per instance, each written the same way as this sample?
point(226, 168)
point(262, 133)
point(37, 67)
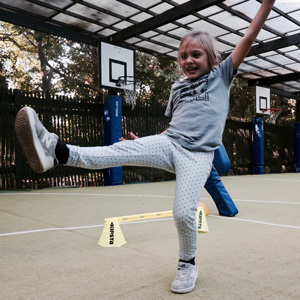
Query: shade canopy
point(156, 26)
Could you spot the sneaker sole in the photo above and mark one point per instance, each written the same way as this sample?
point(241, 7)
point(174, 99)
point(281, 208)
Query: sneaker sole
point(28, 139)
point(184, 291)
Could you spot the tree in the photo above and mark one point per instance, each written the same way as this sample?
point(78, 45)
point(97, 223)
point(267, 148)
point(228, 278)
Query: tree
point(2, 68)
point(241, 100)
point(157, 74)
point(17, 57)
point(45, 63)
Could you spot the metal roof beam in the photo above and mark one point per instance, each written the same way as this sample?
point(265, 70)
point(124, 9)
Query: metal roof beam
point(275, 79)
point(285, 94)
point(40, 25)
point(267, 81)
point(166, 17)
point(291, 40)
point(275, 44)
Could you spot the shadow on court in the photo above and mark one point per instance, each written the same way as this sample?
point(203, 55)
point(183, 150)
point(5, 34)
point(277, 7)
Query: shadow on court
point(49, 242)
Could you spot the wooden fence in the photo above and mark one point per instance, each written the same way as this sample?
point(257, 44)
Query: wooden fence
point(80, 122)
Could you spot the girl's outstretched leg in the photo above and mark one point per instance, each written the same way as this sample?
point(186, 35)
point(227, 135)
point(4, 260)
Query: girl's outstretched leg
point(151, 151)
point(43, 152)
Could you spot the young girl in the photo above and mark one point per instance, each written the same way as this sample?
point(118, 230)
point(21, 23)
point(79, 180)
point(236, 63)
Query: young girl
point(198, 108)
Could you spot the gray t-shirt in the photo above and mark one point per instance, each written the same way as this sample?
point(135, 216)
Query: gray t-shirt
point(198, 109)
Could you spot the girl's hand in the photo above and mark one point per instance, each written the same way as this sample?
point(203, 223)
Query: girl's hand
point(133, 136)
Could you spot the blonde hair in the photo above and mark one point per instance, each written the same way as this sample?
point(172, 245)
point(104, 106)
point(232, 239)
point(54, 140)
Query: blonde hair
point(207, 42)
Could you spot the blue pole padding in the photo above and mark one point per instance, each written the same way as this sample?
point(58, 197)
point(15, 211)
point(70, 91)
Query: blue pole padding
point(258, 146)
point(215, 187)
point(219, 194)
point(221, 160)
point(297, 147)
point(112, 132)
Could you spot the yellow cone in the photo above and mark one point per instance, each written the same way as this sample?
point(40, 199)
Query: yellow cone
point(201, 220)
point(112, 235)
point(201, 204)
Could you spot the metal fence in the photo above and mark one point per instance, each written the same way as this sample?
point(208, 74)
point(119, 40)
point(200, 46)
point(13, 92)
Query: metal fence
point(80, 122)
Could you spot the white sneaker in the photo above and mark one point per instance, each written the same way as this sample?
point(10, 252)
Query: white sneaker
point(37, 143)
point(185, 279)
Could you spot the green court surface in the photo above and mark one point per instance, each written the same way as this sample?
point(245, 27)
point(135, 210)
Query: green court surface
point(49, 243)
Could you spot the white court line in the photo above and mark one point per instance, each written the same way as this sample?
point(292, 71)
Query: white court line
point(273, 179)
point(139, 196)
point(143, 221)
point(49, 229)
point(257, 222)
point(77, 227)
point(79, 194)
point(264, 201)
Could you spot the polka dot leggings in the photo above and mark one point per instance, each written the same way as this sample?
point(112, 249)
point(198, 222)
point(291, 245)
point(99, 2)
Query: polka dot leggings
point(192, 170)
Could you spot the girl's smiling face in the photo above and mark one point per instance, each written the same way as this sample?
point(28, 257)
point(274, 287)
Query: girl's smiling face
point(193, 59)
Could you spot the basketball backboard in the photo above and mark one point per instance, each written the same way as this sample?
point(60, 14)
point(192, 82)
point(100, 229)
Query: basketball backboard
point(262, 100)
point(115, 61)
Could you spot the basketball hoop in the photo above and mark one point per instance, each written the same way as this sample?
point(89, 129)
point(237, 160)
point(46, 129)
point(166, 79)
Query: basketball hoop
point(274, 113)
point(131, 87)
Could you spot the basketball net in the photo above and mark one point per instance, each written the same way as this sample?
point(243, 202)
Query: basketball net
point(131, 87)
point(274, 113)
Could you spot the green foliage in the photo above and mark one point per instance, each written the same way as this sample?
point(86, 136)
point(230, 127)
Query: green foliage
point(157, 75)
point(242, 100)
point(17, 55)
point(45, 63)
point(288, 107)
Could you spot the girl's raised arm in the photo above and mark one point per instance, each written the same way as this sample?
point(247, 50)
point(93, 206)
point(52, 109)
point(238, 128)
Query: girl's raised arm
point(243, 47)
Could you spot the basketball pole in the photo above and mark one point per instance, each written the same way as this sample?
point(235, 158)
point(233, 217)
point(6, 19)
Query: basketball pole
point(114, 61)
point(112, 132)
point(258, 146)
point(262, 103)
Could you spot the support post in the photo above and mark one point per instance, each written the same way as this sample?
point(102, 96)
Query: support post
point(297, 112)
point(258, 146)
point(112, 132)
point(297, 147)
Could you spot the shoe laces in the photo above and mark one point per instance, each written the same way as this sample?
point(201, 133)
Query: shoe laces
point(182, 273)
